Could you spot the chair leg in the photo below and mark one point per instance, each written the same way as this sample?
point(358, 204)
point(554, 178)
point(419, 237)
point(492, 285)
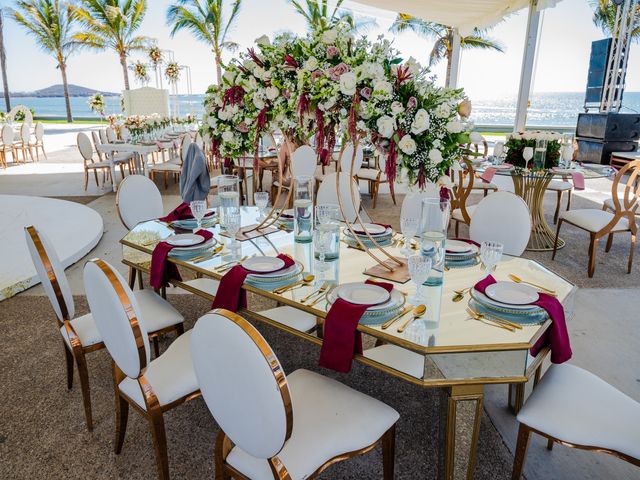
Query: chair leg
point(84, 386)
point(558, 202)
point(122, 415)
point(570, 194)
point(393, 196)
point(633, 247)
point(388, 453)
point(521, 451)
point(156, 422)
point(132, 278)
point(593, 248)
point(609, 242)
point(550, 443)
point(156, 347)
point(219, 457)
point(140, 284)
point(555, 243)
point(95, 175)
point(69, 361)
point(86, 180)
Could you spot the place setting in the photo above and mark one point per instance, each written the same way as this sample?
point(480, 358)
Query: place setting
point(380, 233)
point(191, 216)
point(461, 253)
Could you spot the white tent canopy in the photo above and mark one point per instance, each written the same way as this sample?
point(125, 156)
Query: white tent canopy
point(465, 15)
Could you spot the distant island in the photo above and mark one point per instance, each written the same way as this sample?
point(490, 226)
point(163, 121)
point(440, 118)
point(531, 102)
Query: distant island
point(58, 91)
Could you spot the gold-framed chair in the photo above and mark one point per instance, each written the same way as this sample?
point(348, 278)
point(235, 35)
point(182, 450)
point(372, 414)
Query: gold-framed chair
point(306, 421)
point(374, 178)
point(463, 180)
point(139, 382)
point(600, 223)
point(38, 143)
point(90, 165)
point(484, 187)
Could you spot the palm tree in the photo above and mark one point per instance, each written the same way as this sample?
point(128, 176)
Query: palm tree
point(205, 20)
point(604, 17)
point(112, 24)
point(319, 15)
point(51, 24)
point(3, 66)
point(443, 48)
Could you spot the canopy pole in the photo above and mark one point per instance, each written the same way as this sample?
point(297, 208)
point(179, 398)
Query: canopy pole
point(453, 74)
point(528, 66)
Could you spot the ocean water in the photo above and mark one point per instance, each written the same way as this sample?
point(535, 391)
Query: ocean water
point(547, 109)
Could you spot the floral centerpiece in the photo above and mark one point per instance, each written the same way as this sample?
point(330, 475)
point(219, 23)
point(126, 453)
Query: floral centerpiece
point(330, 85)
point(140, 72)
point(97, 104)
point(517, 141)
point(172, 72)
point(155, 55)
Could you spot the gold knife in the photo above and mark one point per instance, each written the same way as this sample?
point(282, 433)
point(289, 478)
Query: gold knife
point(326, 295)
point(390, 322)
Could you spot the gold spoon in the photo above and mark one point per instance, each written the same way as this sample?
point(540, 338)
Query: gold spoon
point(540, 287)
point(307, 279)
point(417, 312)
point(389, 322)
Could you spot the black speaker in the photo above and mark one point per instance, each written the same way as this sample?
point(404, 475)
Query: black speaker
point(597, 71)
point(599, 151)
point(609, 126)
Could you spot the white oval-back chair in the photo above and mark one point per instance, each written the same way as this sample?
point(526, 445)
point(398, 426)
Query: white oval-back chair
point(80, 335)
point(90, 165)
point(502, 217)
point(7, 144)
point(303, 163)
point(38, 132)
point(277, 426)
point(327, 193)
point(111, 135)
point(152, 387)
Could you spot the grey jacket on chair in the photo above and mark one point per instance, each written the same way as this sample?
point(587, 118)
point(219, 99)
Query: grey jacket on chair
point(194, 179)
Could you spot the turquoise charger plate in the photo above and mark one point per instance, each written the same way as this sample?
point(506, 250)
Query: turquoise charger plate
point(524, 318)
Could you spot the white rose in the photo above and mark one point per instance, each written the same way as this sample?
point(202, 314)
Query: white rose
point(364, 110)
point(258, 101)
point(311, 64)
point(420, 121)
point(407, 145)
point(263, 40)
point(443, 111)
point(251, 83)
point(227, 136)
point(396, 108)
point(348, 83)
point(249, 64)
point(414, 66)
point(329, 37)
point(223, 114)
point(475, 138)
point(229, 76)
point(361, 126)
point(386, 126)
point(382, 89)
point(435, 156)
point(445, 181)
point(454, 126)
point(259, 72)
point(272, 92)
point(213, 122)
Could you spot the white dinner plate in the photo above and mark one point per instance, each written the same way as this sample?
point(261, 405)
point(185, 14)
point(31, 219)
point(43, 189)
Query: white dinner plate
point(262, 264)
point(195, 248)
point(372, 228)
point(362, 293)
point(185, 240)
point(458, 247)
point(484, 300)
point(512, 293)
point(395, 300)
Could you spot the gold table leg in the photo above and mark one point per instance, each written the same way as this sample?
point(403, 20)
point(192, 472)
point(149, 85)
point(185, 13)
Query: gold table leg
point(458, 442)
point(531, 188)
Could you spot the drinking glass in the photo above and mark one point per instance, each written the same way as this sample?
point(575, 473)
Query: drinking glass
point(303, 209)
point(327, 213)
point(490, 254)
point(435, 222)
point(567, 156)
point(228, 195)
point(261, 199)
point(540, 154)
point(527, 154)
point(198, 209)
point(409, 227)
point(498, 153)
point(232, 221)
point(322, 242)
point(419, 269)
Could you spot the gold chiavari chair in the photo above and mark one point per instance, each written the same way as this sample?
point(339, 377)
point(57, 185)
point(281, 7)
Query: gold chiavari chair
point(479, 185)
point(375, 177)
point(463, 180)
point(600, 223)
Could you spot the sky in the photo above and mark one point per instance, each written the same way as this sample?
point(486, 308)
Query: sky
point(563, 56)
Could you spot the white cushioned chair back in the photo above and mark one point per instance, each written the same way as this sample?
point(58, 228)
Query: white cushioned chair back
point(7, 134)
point(412, 204)
point(51, 273)
point(184, 146)
point(25, 132)
point(502, 217)
point(236, 371)
point(103, 136)
point(114, 309)
point(96, 138)
point(39, 131)
point(327, 193)
point(304, 161)
point(138, 200)
point(198, 140)
point(347, 158)
point(267, 142)
point(111, 135)
point(85, 147)
point(125, 135)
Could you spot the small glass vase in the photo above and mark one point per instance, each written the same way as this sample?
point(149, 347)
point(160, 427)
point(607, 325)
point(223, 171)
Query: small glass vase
point(540, 155)
point(303, 209)
point(228, 195)
point(435, 222)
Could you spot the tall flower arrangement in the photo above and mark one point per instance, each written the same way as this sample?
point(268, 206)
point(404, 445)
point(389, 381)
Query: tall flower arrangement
point(140, 72)
point(330, 85)
point(97, 104)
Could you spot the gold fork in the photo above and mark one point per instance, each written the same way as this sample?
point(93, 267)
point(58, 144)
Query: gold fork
point(489, 321)
point(326, 295)
point(319, 291)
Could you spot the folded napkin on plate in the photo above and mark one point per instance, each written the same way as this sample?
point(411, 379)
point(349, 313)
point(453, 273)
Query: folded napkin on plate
point(161, 270)
point(341, 337)
point(556, 335)
point(360, 230)
point(181, 212)
point(488, 174)
point(466, 240)
point(230, 294)
point(578, 180)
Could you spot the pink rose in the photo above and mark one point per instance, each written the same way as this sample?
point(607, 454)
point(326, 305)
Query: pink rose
point(242, 127)
point(366, 92)
point(412, 103)
point(316, 74)
point(341, 68)
point(286, 93)
point(332, 74)
point(332, 51)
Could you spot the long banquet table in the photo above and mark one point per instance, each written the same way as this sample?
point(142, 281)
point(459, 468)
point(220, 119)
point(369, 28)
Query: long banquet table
point(459, 356)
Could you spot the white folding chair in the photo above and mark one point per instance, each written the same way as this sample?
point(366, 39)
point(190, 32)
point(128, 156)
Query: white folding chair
point(151, 387)
point(277, 426)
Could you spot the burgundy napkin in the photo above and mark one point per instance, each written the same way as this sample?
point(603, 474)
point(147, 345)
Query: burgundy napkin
point(341, 337)
point(488, 174)
point(361, 231)
point(578, 180)
point(230, 294)
point(556, 335)
point(466, 240)
point(161, 270)
point(181, 212)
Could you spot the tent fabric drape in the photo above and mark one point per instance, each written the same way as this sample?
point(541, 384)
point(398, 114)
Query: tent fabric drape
point(463, 14)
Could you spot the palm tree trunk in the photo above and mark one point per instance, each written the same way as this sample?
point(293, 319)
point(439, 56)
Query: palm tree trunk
point(218, 68)
point(3, 65)
point(125, 71)
point(65, 86)
point(447, 79)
